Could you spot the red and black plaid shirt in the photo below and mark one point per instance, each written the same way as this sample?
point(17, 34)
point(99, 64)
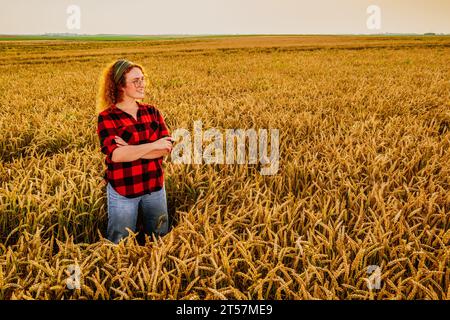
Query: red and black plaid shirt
point(141, 176)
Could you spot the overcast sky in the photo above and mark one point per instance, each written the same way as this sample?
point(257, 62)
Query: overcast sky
point(223, 16)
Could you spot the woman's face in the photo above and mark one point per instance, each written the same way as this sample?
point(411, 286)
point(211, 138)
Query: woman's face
point(134, 84)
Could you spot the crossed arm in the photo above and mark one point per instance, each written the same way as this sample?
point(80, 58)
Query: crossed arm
point(119, 151)
point(125, 152)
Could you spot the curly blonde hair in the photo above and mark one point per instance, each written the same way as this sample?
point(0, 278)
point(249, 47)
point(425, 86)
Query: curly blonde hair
point(109, 91)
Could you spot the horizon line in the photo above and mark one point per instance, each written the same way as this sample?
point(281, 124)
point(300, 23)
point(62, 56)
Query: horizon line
point(211, 34)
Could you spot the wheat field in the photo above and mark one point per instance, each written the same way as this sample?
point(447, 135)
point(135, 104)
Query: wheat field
point(363, 180)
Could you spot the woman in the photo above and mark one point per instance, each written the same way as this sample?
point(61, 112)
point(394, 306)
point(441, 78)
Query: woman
point(134, 138)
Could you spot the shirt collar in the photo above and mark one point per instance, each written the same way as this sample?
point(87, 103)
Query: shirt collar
point(116, 109)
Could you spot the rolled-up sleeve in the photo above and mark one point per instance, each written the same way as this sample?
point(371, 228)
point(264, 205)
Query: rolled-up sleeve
point(106, 133)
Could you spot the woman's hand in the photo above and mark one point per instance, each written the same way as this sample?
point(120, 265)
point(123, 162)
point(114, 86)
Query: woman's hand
point(120, 142)
point(164, 144)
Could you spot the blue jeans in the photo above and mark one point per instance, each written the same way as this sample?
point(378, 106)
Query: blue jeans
point(123, 212)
